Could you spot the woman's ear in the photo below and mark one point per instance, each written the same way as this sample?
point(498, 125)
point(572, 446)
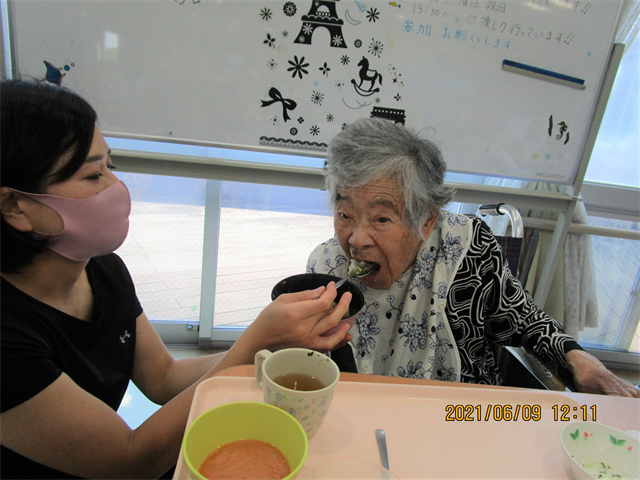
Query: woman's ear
point(11, 204)
point(428, 227)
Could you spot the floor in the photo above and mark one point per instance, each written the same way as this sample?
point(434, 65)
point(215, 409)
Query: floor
point(136, 408)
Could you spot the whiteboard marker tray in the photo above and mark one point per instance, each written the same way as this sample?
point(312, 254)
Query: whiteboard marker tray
point(422, 443)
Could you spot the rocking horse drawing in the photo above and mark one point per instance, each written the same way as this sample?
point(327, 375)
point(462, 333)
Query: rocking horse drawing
point(367, 75)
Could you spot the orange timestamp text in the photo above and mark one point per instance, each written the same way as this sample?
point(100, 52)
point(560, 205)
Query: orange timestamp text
point(507, 413)
point(496, 413)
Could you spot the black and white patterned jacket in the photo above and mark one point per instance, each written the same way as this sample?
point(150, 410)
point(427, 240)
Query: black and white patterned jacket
point(483, 303)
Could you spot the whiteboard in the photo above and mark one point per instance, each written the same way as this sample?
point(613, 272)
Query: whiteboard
point(290, 74)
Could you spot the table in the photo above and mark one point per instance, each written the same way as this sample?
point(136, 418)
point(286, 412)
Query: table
point(423, 443)
point(617, 412)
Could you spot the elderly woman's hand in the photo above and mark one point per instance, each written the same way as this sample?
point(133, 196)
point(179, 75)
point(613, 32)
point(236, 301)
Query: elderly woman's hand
point(298, 320)
point(591, 376)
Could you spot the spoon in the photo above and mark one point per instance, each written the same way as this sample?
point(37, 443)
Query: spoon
point(382, 445)
point(357, 269)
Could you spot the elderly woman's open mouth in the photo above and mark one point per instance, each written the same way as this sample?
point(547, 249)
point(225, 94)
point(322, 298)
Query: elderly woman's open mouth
point(362, 268)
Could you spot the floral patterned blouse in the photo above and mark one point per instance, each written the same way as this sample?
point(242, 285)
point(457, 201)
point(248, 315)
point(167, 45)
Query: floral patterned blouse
point(437, 319)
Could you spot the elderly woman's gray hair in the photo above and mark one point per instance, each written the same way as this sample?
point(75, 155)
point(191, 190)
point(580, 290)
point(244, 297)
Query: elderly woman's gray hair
point(371, 149)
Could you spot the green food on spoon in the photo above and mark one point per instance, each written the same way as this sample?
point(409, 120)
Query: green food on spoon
point(359, 268)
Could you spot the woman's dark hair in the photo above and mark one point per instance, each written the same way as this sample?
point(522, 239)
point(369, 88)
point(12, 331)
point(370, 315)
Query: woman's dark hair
point(40, 124)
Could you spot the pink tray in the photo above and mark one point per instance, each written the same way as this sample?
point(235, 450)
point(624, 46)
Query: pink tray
point(421, 443)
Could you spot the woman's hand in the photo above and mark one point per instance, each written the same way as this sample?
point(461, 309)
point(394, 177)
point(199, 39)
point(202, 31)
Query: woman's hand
point(298, 320)
point(591, 376)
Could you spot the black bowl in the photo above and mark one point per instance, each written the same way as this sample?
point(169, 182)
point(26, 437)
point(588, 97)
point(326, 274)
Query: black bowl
point(311, 281)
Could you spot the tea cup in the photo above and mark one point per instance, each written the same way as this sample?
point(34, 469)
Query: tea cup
point(293, 368)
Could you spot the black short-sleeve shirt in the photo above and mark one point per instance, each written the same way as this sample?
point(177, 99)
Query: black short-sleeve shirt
point(39, 343)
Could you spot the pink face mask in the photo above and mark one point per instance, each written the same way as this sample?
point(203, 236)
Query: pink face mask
point(93, 226)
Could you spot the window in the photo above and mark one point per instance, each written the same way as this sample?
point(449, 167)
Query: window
point(163, 250)
point(266, 234)
point(616, 156)
point(617, 269)
point(615, 166)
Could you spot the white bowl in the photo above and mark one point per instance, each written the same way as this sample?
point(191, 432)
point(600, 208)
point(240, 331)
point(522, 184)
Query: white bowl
point(594, 450)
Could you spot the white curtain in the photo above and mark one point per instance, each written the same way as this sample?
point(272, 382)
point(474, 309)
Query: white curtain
point(572, 298)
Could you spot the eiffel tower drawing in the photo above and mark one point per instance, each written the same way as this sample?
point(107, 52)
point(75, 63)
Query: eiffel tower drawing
point(322, 14)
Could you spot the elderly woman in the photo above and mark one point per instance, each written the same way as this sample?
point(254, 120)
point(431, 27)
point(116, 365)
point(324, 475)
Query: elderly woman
point(440, 290)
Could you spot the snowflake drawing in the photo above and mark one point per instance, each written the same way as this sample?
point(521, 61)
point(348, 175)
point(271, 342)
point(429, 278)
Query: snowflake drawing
point(297, 66)
point(330, 118)
point(289, 9)
point(317, 97)
point(398, 97)
point(270, 41)
point(307, 29)
point(284, 34)
point(265, 13)
point(395, 76)
point(272, 64)
point(375, 48)
point(315, 130)
point(373, 15)
point(339, 84)
point(325, 69)
point(344, 60)
point(378, 100)
point(275, 120)
point(336, 40)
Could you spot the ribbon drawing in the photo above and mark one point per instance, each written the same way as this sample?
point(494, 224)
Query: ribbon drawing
point(287, 103)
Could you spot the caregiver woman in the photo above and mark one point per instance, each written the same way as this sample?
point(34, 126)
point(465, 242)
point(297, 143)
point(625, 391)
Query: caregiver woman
point(73, 331)
point(440, 290)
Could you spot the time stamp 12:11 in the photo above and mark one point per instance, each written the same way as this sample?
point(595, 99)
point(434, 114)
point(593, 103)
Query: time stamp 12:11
point(478, 413)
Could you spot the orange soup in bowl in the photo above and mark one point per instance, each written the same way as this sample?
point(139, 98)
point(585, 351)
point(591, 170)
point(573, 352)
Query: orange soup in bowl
point(245, 459)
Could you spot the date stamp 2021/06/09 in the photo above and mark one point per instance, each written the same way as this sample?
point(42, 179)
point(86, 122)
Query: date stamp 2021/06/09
point(508, 413)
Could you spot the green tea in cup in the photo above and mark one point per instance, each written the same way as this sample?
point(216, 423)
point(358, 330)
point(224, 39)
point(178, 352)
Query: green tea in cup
point(299, 381)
